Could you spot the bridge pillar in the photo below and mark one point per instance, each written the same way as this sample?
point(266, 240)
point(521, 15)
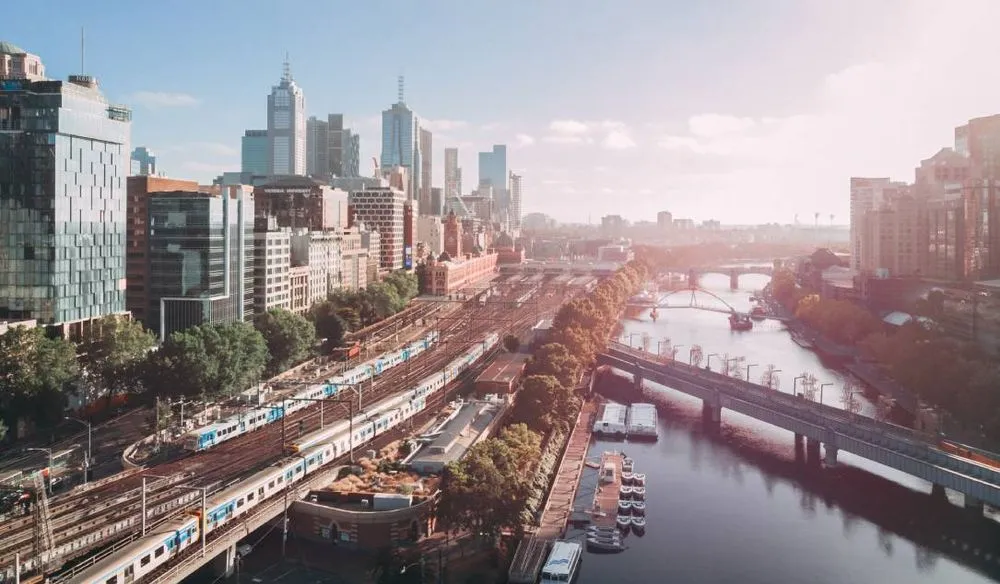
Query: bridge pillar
point(711, 414)
point(812, 449)
point(637, 382)
point(798, 441)
point(831, 454)
point(937, 492)
point(692, 278)
point(734, 279)
point(224, 564)
point(973, 505)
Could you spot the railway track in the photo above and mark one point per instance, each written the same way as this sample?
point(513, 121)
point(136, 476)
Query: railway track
point(120, 501)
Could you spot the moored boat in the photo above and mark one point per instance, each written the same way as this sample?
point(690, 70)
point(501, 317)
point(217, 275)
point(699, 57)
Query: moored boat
point(597, 530)
point(627, 464)
point(639, 479)
point(625, 492)
point(740, 322)
point(758, 313)
point(624, 506)
point(639, 493)
point(627, 478)
point(624, 521)
point(607, 546)
point(638, 508)
point(639, 524)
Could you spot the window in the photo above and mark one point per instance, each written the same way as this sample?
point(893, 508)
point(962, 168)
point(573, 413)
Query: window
point(112, 580)
point(158, 552)
point(144, 561)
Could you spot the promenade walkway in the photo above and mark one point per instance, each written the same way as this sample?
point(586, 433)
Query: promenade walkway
point(559, 504)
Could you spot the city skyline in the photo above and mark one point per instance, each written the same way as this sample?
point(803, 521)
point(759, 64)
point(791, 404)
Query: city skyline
point(680, 138)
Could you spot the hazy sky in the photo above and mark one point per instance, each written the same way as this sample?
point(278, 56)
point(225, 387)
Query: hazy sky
point(739, 110)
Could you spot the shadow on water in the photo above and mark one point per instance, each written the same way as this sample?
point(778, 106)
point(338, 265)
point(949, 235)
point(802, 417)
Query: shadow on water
point(934, 525)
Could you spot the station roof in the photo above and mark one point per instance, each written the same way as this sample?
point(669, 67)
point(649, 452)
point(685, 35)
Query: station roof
point(504, 369)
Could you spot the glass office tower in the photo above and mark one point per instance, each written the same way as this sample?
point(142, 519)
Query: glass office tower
point(64, 159)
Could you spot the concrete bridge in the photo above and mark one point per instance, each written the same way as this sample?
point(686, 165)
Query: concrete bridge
point(663, 301)
point(733, 271)
point(894, 446)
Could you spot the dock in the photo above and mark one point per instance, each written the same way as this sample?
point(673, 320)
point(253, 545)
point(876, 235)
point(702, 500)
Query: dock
point(559, 505)
point(528, 560)
point(605, 511)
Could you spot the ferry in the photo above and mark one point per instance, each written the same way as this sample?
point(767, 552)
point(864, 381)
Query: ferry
point(740, 322)
point(563, 563)
point(758, 313)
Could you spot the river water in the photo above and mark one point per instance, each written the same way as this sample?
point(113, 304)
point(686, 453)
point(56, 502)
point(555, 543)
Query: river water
point(737, 506)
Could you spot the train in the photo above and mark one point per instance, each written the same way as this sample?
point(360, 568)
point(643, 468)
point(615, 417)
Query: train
point(969, 453)
point(242, 423)
point(312, 453)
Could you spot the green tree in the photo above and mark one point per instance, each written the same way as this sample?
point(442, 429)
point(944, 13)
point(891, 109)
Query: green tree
point(554, 359)
point(525, 445)
point(350, 316)
point(405, 283)
point(328, 324)
point(511, 343)
point(385, 299)
point(113, 352)
point(290, 338)
point(3, 430)
point(35, 374)
point(543, 403)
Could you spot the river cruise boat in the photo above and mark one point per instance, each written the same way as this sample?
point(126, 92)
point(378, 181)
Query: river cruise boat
point(740, 322)
point(563, 562)
point(758, 313)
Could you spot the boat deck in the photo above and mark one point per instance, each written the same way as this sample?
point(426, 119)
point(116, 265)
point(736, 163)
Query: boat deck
point(606, 495)
point(559, 505)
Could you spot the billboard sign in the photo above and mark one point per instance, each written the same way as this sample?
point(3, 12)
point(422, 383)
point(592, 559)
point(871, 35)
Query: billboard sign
point(408, 257)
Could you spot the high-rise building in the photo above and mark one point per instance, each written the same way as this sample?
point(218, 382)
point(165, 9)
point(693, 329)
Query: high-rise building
point(139, 190)
point(64, 160)
point(201, 261)
point(452, 236)
point(866, 194)
point(383, 210)
point(894, 235)
point(437, 202)
point(400, 131)
point(254, 157)
point(318, 148)
point(979, 141)
point(16, 63)
point(272, 264)
point(286, 127)
point(143, 162)
point(452, 174)
point(515, 201)
point(664, 220)
point(493, 172)
point(426, 172)
point(298, 202)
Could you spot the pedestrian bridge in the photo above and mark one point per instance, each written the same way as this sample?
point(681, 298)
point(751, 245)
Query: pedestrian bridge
point(894, 446)
point(689, 298)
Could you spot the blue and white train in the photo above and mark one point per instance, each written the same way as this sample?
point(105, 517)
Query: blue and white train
point(313, 451)
point(242, 423)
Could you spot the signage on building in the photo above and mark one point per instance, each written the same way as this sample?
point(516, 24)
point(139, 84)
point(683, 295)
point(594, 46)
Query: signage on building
point(280, 191)
point(408, 256)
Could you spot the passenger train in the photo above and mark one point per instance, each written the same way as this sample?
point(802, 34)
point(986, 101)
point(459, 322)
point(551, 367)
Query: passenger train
point(312, 452)
point(243, 423)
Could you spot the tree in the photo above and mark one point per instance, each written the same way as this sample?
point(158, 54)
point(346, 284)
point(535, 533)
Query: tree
point(556, 360)
point(525, 445)
point(113, 351)
point(350, 316)
point(35, 374)
point(511, 343)
point(544, 403)
point(406, 285)
point(290, 338)
point(3, 430)
point(385, 299)
point(328, 324)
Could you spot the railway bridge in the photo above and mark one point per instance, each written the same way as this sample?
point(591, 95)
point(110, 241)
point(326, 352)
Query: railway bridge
point(894, 446)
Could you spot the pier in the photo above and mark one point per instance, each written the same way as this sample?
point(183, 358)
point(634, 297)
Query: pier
point(605, 509)
point(559, 505)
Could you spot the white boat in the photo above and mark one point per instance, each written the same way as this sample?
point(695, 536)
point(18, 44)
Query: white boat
point(598, 545)
point(638, 493)
point(639, 524)
point(627, 478)
point(624, 506)
point(627, 464)
point(563, 562)
point(624, 521)
point(597, 531)
point(638, 508)
point(624, 492)
point(638, 479)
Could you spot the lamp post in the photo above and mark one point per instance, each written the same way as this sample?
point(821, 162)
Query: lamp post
point(142, 505)
point(771, 379)
point(49, 452)
point(795, 382)
point(673, 352)
point(708, 361)
point(749, 365)
point(411, 564)
point(86, 462)
point(822, 385)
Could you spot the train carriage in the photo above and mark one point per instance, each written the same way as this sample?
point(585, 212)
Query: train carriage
point(145, 555)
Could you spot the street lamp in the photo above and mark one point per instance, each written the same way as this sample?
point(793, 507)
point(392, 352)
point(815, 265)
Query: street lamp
point(771, 379)
point(673, 352)
point(411, 564)
point(749, 365)
point(86, 462)
point(49, 452)
point(708, 361)
point(795, 382)
point(821, 391)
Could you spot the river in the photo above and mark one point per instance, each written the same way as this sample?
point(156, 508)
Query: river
point(738, 507)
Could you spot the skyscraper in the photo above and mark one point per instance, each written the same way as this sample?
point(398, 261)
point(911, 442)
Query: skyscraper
point(254, 153)
point(344, 147)
point(452, 173)
point(64, 159)
point(318, 148)
point(286, 127)
point(143, 162)
point(515, 201)
point(400, 130)
point(493, 172)
point(426, 158)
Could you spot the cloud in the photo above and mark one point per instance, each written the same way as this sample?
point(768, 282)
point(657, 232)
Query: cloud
point(563, 139)
point(162, 99)
point(493, 126)
point(202, 167)
point(524, 140)
point(611, 134)
point(618, 140)
point(571, 127)
point(712, 125)
point(443, 125)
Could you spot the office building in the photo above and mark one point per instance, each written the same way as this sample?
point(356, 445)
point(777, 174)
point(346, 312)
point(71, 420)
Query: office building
point(272, 264)
point(426, 171)
point(664, 220)
point(514, 215)
point(372, 242)
point(430, 231)
point(979, 141)
point(354, 260)
point(493, 172)
point(16, 63)
point(319, 252)
point(286, 127)
point(382, 209)
point(866, 194)
point(64, 160)
point(941, 175)
point(452, 173)
point(450, 276)
point(400, 132)
point(143, 162)
point(201, 258)
point(437, 202)
point(299, 279)
point(946, 242)
point(331, 149)
point(299, 202)
point(139, 189)
point(318, 148)
point(254, 153)
point(894, 236)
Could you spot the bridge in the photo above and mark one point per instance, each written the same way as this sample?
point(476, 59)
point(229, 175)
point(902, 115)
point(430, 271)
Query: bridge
point(894, 446)
point(734, 271)
point(662, 302)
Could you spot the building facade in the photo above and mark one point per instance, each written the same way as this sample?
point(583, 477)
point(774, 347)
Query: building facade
point(286, 127)
point(143, 162)
point(400, 133)
point(430, 231)
point(64, 160)
point(299, 202)
point(452, 174)
point(426, 171)
point(320, 253)
point(16, 63)
point(299, 279)
point(201, 258)
point(515, 201)
point(448, 277)
point(493, 172)
point(664, 220)
point(354, 260)
point(138, 190)
point(382, 209)
point(318, 148)
point(452, 236)
point(272, 266)
point(254, 153)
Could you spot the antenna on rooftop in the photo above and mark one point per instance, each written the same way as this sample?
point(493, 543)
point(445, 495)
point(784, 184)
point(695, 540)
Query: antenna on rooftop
point(401, 87)
point(286, 71)
point(83, 70)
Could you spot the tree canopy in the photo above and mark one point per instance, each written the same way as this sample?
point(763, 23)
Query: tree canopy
point(511, 343)
point(113, 352)
point(290, 338)
point(35, 374)
point(328, 324)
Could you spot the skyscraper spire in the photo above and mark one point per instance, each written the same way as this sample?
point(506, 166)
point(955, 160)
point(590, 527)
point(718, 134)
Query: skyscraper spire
point(286, 72)
point(401, 86)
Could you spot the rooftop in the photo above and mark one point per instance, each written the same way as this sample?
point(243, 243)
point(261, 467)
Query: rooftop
point(504, 369)
point(7, 48)
point(457, 436)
